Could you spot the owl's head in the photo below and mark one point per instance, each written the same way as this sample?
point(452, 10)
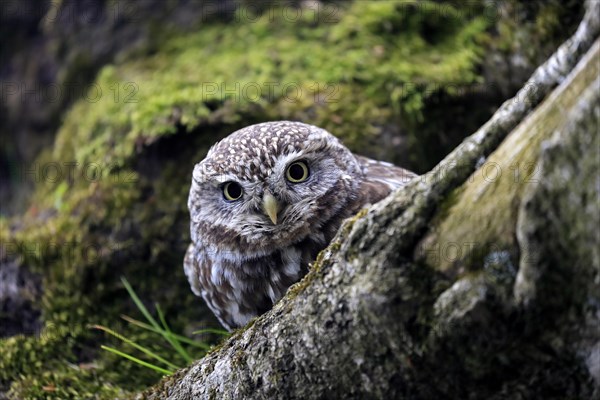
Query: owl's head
point(270, 185)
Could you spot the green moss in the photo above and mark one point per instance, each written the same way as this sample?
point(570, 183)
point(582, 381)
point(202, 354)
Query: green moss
point(105, 229)
point(536, 29)
point(72, 382)
point(350, 74)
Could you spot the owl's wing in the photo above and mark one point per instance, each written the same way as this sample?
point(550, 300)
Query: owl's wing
point(197, 275)
point(380, 179)
point(191, 270)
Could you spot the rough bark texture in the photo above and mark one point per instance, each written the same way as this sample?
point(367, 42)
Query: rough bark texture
point(387, 313)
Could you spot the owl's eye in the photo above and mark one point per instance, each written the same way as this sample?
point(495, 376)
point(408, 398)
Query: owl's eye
point(232, 191)
point(297, 172)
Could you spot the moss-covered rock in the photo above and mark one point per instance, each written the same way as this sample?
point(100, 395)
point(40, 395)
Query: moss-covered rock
point(351, 70)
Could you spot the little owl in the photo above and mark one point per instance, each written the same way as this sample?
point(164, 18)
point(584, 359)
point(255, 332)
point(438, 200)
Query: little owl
point(263, 203)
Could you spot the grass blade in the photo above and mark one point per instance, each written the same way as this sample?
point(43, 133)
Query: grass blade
point(212, 330)
point(152, 321)
point(169, 336)
point(182, 339)
point(137, 360)
point(137, 346)
point(139, 304)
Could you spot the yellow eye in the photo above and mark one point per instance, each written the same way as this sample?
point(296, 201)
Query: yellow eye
point(297, 172)
point(232, 191)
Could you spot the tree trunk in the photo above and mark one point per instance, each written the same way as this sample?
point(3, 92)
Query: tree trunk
point(477, 280)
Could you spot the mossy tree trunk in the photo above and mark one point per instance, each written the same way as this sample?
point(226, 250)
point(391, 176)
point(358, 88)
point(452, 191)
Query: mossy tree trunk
point(478, 280)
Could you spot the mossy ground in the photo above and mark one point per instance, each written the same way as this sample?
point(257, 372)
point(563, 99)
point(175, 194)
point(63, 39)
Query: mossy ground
point(355, 70)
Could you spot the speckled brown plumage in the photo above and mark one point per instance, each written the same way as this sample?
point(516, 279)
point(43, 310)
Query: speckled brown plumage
point(242, 259)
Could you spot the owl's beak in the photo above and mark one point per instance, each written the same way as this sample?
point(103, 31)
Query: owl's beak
point(270, 206)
